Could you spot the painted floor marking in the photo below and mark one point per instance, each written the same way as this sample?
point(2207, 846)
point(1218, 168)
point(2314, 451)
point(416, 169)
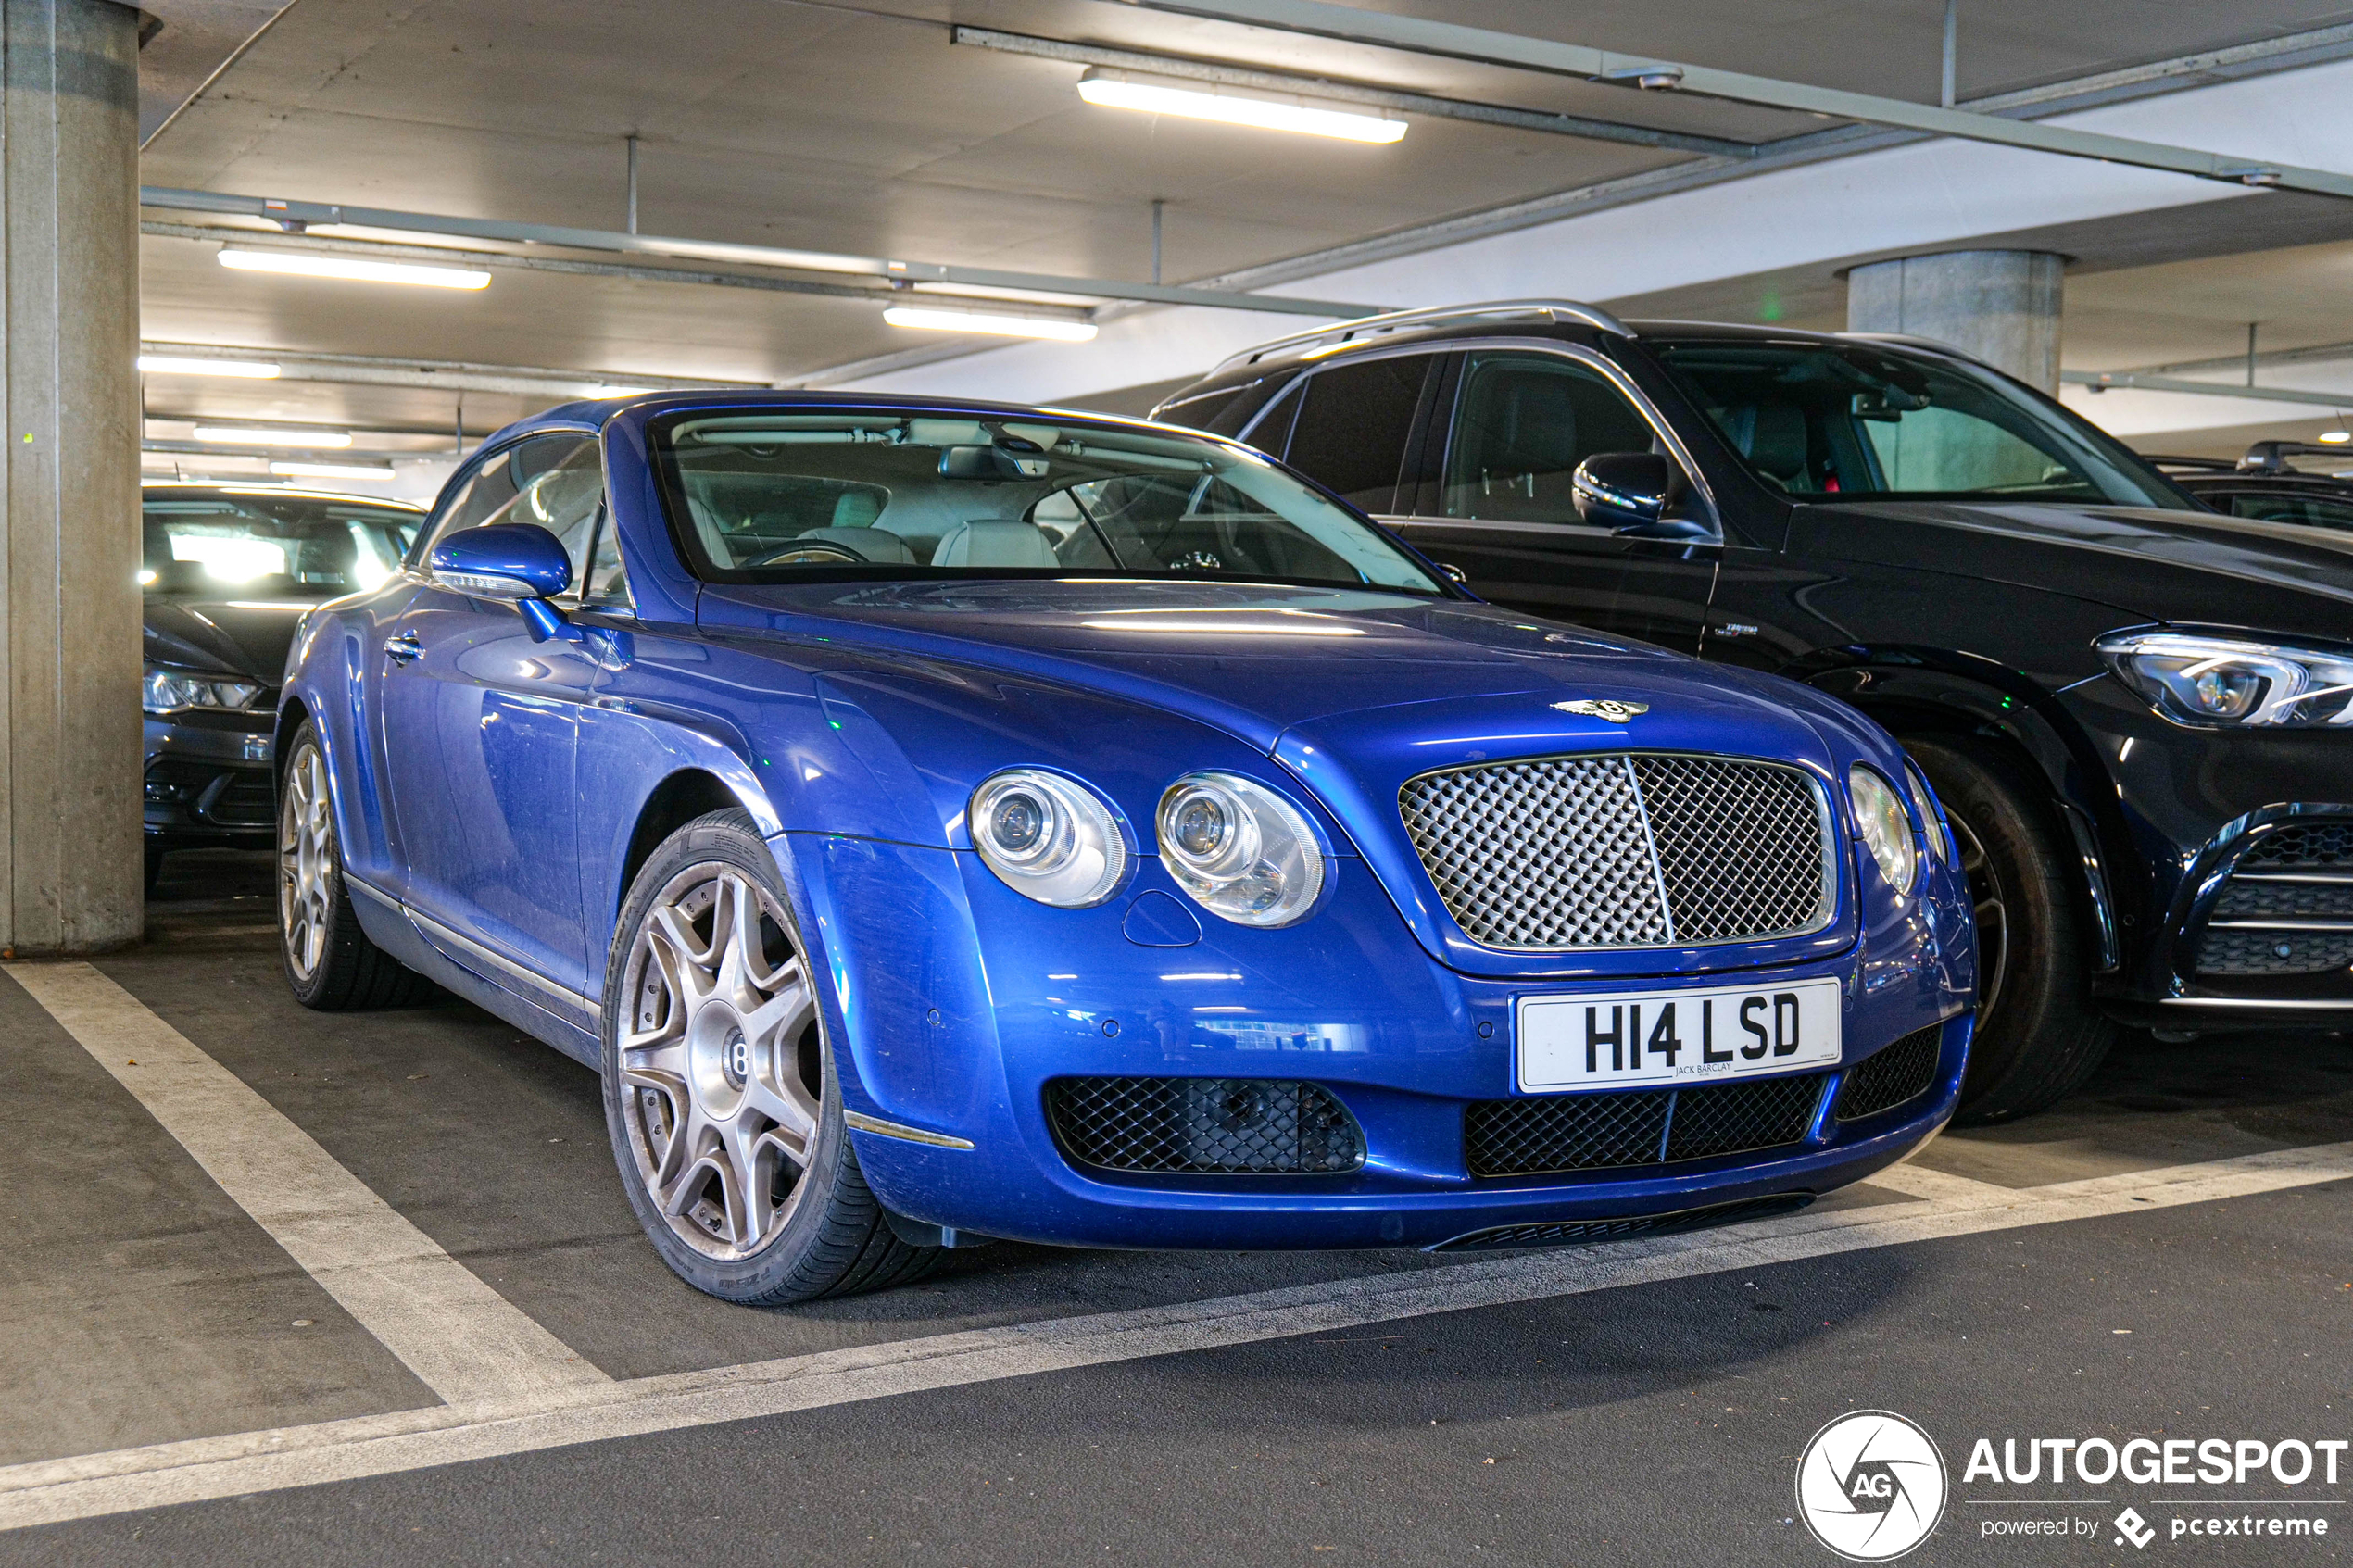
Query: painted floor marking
point(1919, 1181)
point(193, 1471)
point(464, 1340)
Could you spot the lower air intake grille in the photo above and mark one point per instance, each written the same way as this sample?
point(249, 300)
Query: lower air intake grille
point(1569, 1232)
point(1893, 1075)
point(1542, 1135)
point(2247, 952)
point(1204, 1127)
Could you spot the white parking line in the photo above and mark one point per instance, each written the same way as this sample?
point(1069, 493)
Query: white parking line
point(1919, 1181)
point(462, 1338)
point(164, 1473)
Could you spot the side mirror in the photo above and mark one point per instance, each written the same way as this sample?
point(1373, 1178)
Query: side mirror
point(509, 560)
point(1623, 490)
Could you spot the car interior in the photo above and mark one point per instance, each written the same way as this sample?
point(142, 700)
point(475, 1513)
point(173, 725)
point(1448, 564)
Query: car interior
point(781, 495)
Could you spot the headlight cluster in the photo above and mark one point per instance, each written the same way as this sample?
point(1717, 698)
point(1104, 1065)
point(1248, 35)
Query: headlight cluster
point(1241, 850)
point(1236, 847)
point(1940, 837)
point(165, 690)
point(2225, 683)
point(1884, 826)
point(1049, 838)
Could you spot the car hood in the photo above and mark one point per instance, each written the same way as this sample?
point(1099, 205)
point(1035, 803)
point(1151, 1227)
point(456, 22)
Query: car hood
point(2149, 564)
point(246, 637)
point(1259, 661)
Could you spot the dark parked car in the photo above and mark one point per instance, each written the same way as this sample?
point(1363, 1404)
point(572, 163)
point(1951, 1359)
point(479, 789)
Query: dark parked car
point(2264, 485)
point(228, 571)
point(2135, 710)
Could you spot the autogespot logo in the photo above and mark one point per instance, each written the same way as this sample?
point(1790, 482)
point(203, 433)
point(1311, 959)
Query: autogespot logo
point(1870, 1485)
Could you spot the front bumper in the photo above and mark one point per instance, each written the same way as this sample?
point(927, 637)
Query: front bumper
point(2242, 917)
point(209, 777)
point(961, 1002)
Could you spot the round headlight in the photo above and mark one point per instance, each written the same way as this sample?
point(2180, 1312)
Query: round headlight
point(1885, 827)
point(1241, 850)
point(1047, 837)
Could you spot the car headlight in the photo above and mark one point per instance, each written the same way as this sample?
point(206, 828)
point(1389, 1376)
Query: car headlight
point(1047, 837)
point(1241, 850)
point(2223, 683)
point(1885, 827)
point(165, 690)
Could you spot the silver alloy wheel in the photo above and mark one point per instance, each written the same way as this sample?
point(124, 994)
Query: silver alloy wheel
point(1992, 917)
point(721, 1076)
point(306, 862)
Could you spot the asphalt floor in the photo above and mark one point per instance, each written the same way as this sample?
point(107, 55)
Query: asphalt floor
point(1658, 1420)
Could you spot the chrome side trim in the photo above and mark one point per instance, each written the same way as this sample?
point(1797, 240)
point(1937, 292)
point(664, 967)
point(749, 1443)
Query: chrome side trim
point(378, 894)
point(861, 1123)
point(2288, 923)
point(442, 936)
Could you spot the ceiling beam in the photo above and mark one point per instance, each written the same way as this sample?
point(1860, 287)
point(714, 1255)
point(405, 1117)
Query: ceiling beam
point(1182, 69)
point(2109, 381)
point(1453, 40)
point(296, 218)
point(441, 375)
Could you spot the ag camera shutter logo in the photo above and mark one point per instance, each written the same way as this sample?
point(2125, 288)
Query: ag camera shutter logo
point(1870, 1485)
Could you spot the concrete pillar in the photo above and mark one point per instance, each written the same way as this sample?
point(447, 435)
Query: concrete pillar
point(1999, 305)
point(69, 735)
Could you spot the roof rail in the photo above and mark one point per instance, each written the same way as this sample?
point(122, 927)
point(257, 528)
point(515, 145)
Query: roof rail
point(1366, 326)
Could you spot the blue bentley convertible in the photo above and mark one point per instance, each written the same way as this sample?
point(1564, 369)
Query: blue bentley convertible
point(942, 821)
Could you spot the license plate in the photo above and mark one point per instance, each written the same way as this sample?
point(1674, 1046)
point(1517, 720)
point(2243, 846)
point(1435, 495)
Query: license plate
point(1625, 1038)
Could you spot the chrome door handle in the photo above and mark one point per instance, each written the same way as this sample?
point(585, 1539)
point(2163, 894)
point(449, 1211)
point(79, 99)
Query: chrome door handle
point(403, 648)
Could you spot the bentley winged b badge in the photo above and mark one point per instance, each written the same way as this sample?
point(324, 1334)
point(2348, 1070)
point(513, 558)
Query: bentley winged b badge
point(1616, 712)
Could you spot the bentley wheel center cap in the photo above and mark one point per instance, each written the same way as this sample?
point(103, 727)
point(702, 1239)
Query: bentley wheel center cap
point(719, 1058)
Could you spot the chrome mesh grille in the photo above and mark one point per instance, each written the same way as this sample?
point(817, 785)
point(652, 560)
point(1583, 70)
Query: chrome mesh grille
point(1622, 850)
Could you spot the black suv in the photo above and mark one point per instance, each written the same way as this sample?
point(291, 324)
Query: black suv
point(228, 571)
point(2138, 713)
point(2266, 486)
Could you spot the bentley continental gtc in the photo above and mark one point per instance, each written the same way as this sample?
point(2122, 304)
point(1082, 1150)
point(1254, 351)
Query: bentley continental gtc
point(940, 823)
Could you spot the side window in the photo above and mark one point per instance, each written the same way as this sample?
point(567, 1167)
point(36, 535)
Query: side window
point(1522, 424)
point(2270, 507)
point(496, 483)
point(555, 481)
point(1351, 430)
point(607, 584)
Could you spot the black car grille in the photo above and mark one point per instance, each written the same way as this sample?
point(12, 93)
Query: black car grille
point(2273, 952)
point(1569, 1232)
point(1891, 1075)
point(2287, 908)
point(1204, 1127)
point(1536, 1135)
point(1623, 850)
point(211, 795)
point(2303, 845)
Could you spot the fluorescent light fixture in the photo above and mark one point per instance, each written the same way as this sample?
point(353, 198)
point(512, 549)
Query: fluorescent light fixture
point(333, 471)
point(1224, 628)
point(2336, 437)
point(989, 321)
point(1112, 90)
point(172, 365)
point(247, 435)
point(352, 269)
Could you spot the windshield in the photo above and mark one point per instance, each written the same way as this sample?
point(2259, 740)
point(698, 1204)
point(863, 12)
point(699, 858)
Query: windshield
point(787, 497)
point(1848, 421)
point(259, 541)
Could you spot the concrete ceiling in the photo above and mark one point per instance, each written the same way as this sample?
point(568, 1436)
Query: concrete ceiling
point(861, 128)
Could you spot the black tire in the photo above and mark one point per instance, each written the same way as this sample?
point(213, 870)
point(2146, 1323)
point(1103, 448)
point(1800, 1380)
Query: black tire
point(828, 1236)
point(156, 850)
point(2039, 1033)
point(336, 969)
